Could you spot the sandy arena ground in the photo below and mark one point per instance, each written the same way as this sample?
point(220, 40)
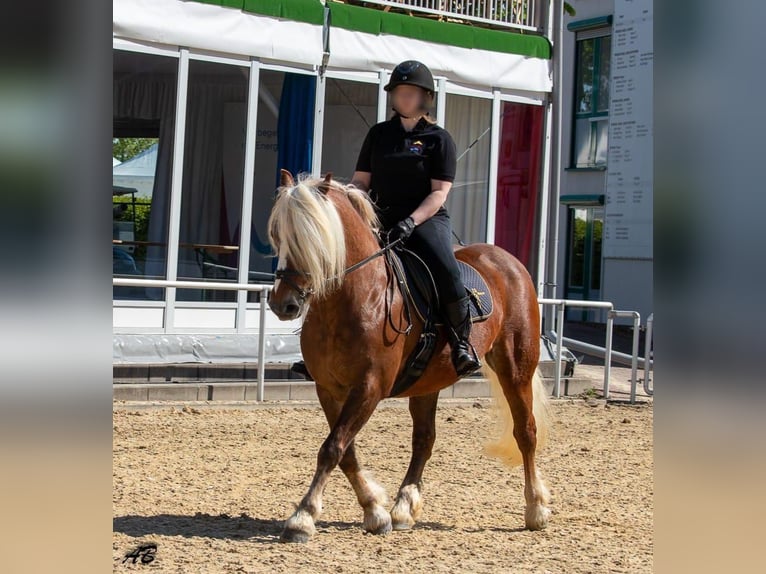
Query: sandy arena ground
point(211, 488)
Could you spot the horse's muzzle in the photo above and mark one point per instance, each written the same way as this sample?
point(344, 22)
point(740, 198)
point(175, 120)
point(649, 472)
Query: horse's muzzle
point(286, 308)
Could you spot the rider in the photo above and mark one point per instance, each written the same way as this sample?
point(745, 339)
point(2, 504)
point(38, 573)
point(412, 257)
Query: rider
point(408, 165)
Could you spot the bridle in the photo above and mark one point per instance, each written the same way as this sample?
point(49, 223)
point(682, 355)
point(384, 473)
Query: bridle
point(286, 274)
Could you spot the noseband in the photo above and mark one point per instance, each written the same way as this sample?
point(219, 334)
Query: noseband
point(286, 274)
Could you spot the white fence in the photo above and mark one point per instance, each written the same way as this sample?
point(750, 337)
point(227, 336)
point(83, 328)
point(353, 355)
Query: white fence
point(263, 289)
point(560, 304)
point(521, 14)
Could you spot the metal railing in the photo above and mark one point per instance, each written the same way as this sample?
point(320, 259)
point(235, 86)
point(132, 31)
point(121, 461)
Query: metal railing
point(560, 304)
point(520, 14)
point(648, 389)
point(262, 289)
point(607, 352)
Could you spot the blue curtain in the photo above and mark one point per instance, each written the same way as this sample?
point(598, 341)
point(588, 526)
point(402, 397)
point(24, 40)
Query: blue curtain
point(295, 130)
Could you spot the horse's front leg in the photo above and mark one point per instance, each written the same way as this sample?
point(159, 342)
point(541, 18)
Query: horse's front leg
point(409, 503)
point(371, 496)
point(354, 414)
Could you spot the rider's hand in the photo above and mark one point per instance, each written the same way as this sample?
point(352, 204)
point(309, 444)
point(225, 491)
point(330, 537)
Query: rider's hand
point(401, 230)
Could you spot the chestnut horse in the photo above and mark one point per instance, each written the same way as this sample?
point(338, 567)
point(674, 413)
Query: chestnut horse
point(354, 344)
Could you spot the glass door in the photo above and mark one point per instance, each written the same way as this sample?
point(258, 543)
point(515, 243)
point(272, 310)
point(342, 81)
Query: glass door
point(583, 272)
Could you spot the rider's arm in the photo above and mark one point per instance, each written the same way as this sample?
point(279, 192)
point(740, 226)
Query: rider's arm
point(443, 168)
point(361, 180)
point(433, 201)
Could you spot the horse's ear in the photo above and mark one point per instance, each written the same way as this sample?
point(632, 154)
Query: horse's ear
point(324, 187)
point(286, 178)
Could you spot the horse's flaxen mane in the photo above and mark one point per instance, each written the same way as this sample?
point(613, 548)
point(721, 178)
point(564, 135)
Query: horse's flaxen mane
point(306, 229)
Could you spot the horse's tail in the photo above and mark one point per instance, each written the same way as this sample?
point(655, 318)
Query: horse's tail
point(505, 447)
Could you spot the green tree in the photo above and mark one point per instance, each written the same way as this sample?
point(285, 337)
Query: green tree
point(124, 149)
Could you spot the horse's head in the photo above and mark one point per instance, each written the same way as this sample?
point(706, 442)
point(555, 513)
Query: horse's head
point(307, 230)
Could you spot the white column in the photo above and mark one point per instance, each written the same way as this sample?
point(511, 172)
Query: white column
point(441, 101)
point(316, 158)
point(543, 215)
point(556, 147)
point(247, 193)
point(174, 217)
point(382, 96)
point(494, 154)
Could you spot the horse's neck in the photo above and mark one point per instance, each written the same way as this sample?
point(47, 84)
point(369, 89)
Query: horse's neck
point(362, 284)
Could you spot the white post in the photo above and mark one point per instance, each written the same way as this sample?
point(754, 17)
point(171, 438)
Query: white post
point(263, 295)
point(247, 193)
point(382, 96)
point(174, 216)
point(316, 159)
point(558, 109)
point(494, 155)
point(608, 351)
point(543, 216)
point(648, 354)
point(634, 362)
point(441, 101)
point(559, 340)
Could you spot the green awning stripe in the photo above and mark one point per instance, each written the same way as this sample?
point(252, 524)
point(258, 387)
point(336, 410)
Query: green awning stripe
point(583, 199)
point(589, 23)
point(309, 11)
point(358, 19)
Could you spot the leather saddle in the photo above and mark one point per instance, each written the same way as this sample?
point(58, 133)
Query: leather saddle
point(422, 297)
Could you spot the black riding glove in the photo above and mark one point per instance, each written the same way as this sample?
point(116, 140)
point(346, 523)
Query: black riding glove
point(401, 230)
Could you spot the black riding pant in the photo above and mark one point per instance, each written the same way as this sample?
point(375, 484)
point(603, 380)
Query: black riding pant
point(432, 241)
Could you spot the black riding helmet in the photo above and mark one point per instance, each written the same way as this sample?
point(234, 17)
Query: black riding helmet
point(413, 73)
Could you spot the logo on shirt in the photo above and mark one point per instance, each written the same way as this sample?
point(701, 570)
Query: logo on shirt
point(416, 147)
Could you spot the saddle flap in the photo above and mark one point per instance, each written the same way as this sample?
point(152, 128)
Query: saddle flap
point(421, 289)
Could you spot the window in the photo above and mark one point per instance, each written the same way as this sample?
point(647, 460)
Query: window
point(351, 108)
point(468, 120)
point(211, 197)
point(591, 107)
point(144, 106)
point(584, 260)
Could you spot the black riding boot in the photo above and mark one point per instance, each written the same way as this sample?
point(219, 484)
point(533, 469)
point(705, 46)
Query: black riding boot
point(464, 356)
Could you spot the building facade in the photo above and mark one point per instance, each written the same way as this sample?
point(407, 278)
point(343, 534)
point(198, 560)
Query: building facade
point(605, 212)
point(227, 92)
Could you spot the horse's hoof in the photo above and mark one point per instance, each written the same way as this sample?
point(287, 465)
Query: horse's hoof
point(377, 521)
point(296, 536)
point(298, 528)
point(407, 508)
point(383, 530)
point(536, 517)
point(399, 526)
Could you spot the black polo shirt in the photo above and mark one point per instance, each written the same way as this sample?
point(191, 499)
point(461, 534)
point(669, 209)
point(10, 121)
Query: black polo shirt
point(403, 164)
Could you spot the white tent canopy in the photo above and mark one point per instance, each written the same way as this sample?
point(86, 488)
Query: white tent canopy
point(137, 172)
point(204, 26)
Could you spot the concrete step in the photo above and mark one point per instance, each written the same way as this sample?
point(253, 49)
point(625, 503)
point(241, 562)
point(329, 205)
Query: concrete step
point(293, 390)
point(204, 372)
point(190, 372)
point(571, 386)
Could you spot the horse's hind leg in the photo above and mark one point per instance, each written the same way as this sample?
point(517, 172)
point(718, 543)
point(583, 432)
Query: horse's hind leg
point(408, 502)
point(517, 381)
point(345, 422)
